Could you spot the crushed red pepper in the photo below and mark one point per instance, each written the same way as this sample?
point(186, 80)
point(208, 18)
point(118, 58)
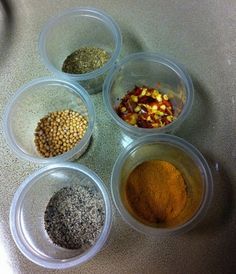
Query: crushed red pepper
point(146, 108)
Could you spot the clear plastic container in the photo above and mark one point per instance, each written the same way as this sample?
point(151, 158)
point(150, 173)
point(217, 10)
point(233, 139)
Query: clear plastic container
point(187, 159)
point(27, 215)
point(76, 28)
point(32, 102)
point(149, 69)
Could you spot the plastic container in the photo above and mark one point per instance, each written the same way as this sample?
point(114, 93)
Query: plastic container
point(27, 215)
point(183, 156)
point(149, 69)
point(76, 28)
point(32, 102)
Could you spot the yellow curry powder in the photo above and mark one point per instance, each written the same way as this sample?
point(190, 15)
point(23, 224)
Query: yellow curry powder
point(156, 191)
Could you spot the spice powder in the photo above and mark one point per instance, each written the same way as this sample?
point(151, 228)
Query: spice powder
point(75, 216)
point(156, 192)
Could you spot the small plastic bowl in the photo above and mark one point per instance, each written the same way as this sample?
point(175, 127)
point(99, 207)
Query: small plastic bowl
point(149, 69)
point(35, 100)
point(76, 28)
point(27, 215)
point(187, 159)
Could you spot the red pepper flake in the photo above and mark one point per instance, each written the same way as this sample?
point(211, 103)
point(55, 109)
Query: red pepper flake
point(146, 108)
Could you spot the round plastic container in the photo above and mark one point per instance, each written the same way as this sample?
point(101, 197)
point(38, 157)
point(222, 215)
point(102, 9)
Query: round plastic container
point(187, 159)
point(35, 100)
point(76, 28)
point(151, 70)
point(27, 215)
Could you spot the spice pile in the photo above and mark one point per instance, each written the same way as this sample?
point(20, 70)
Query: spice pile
point(59, 132)
point(85, 60)
point(74, 217)
point(146, 108)
point(156, 192)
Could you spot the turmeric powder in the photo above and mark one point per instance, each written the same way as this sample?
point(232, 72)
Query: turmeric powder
point(156, 191)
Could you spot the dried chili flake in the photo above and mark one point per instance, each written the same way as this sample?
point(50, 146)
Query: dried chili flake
point(146, 108)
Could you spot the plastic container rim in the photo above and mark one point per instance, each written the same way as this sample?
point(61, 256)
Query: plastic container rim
point(166, 61)
point(84, 11)
point(188, 148)
point(15, 212)
point(71, 87)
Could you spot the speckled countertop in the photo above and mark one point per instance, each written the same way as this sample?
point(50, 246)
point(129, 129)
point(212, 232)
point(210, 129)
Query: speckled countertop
point(202, 36)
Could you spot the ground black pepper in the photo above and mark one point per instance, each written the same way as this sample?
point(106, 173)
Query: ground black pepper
point(75, 216)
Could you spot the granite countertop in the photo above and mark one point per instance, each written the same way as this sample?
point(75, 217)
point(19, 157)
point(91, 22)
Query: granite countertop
point(199, 34)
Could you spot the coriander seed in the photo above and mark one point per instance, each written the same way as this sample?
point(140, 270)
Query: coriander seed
point(53, 134)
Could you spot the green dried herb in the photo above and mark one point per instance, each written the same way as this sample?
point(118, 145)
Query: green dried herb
point(85, 60)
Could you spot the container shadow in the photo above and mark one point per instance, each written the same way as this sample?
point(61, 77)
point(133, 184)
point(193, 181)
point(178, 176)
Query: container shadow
point(201, 116)
point(118, 242)
point(199, 126)
point(223, 204)
point(132, 41)
point(7, 28)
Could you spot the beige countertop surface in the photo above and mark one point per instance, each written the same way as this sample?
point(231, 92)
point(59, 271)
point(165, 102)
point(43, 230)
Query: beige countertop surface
point(199, 34)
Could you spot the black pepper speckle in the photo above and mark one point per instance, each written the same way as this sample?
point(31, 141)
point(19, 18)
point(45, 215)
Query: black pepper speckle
point(75, 216)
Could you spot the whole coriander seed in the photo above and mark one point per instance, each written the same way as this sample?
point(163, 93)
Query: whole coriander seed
point(53, 133)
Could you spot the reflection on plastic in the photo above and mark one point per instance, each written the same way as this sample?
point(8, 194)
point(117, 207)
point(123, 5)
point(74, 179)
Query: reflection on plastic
point(217, 167)
point(125, 140)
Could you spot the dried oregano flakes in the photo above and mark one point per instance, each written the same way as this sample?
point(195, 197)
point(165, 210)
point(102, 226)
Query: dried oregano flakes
point(85, 59)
